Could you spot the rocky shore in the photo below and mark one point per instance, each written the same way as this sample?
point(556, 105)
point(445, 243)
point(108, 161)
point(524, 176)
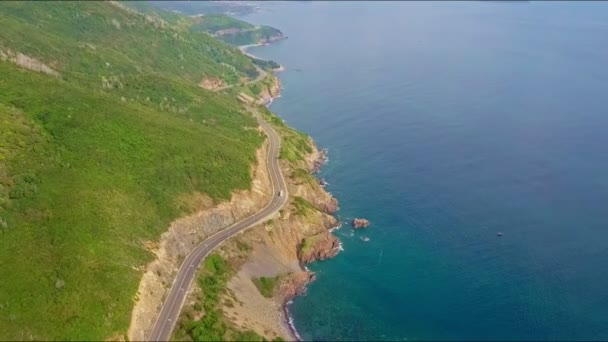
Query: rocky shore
point(360, 223)
point(282, 248)
point(291, 241)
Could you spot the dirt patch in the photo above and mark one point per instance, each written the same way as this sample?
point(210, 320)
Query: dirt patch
point(211, 83)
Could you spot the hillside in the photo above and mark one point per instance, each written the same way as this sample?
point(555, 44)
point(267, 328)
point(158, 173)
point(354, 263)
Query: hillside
point(204, 18)
point(106, 138)
point(208, 7)
point(234, 31)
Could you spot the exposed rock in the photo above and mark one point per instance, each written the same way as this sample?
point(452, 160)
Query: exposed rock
point(318, 247)
point(27, 62)
point(295, 285)
point(331, 206)
point(269, 93)
point(116, 23)
point(320, 160)
point(245, 98)
point(211, 83)
point(360, 223)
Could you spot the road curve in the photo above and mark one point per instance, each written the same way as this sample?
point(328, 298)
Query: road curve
point(165, 322)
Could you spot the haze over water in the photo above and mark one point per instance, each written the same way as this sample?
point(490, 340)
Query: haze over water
point(446, 123)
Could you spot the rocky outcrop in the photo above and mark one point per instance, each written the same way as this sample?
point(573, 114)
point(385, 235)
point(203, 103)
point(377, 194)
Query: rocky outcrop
point(320, 160)
point(295, 285)
point(318, 247)
point(271, 92)
point(211, 83)
point(27, 62)
point(360, 223)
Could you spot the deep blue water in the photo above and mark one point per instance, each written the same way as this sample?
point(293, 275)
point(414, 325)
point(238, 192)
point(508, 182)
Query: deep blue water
point(446, 123)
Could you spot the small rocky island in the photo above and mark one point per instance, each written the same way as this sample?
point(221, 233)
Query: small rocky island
point(360, 223)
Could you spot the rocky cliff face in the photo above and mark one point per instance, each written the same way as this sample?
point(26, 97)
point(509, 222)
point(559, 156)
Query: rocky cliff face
point(318, 247)
point(270, 92)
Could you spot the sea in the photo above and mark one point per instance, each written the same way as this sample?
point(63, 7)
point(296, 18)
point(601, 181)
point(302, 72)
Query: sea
point(448, 124)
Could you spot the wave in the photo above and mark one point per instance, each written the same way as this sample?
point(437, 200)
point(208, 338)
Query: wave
point(290, 321)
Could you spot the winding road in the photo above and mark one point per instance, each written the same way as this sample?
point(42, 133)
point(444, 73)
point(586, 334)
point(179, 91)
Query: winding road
point(169, 313)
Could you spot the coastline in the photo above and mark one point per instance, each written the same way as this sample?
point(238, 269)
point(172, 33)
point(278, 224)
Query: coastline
point(287, 320)
point(244, 48)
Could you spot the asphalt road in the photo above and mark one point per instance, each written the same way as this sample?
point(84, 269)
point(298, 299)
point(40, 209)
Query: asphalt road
point(165, 322)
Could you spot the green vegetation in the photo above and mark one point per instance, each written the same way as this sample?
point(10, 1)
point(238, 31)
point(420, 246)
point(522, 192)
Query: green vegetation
point(303, 176)
point(309, 242)
point(234, 31)
point(303, 207)
point(266, 285)
point(206, 7)
point(252, 36)
point(266, 64)
point(294, 144)
point(99, 39)
point(212, 23)
point(95, 162)
point(253, 89)
point(212, 326)
point(231, 30)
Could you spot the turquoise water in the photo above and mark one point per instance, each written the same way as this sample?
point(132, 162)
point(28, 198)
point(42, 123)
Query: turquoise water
point(446, 123)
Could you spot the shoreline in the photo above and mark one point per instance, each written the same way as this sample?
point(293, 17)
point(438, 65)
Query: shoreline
point(244, 48)
point(287, 320)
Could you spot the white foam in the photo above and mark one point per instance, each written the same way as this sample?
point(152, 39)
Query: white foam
point(291, 323)
point(336, 227)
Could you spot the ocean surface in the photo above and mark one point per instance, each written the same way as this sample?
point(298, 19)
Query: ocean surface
point(446, 123)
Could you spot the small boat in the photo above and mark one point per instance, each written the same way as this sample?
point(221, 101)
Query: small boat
point(499, 234)
point(364, 238)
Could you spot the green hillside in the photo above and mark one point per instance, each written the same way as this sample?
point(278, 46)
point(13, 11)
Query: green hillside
point(234, 31)
point(224, 27)
point(99, 152)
